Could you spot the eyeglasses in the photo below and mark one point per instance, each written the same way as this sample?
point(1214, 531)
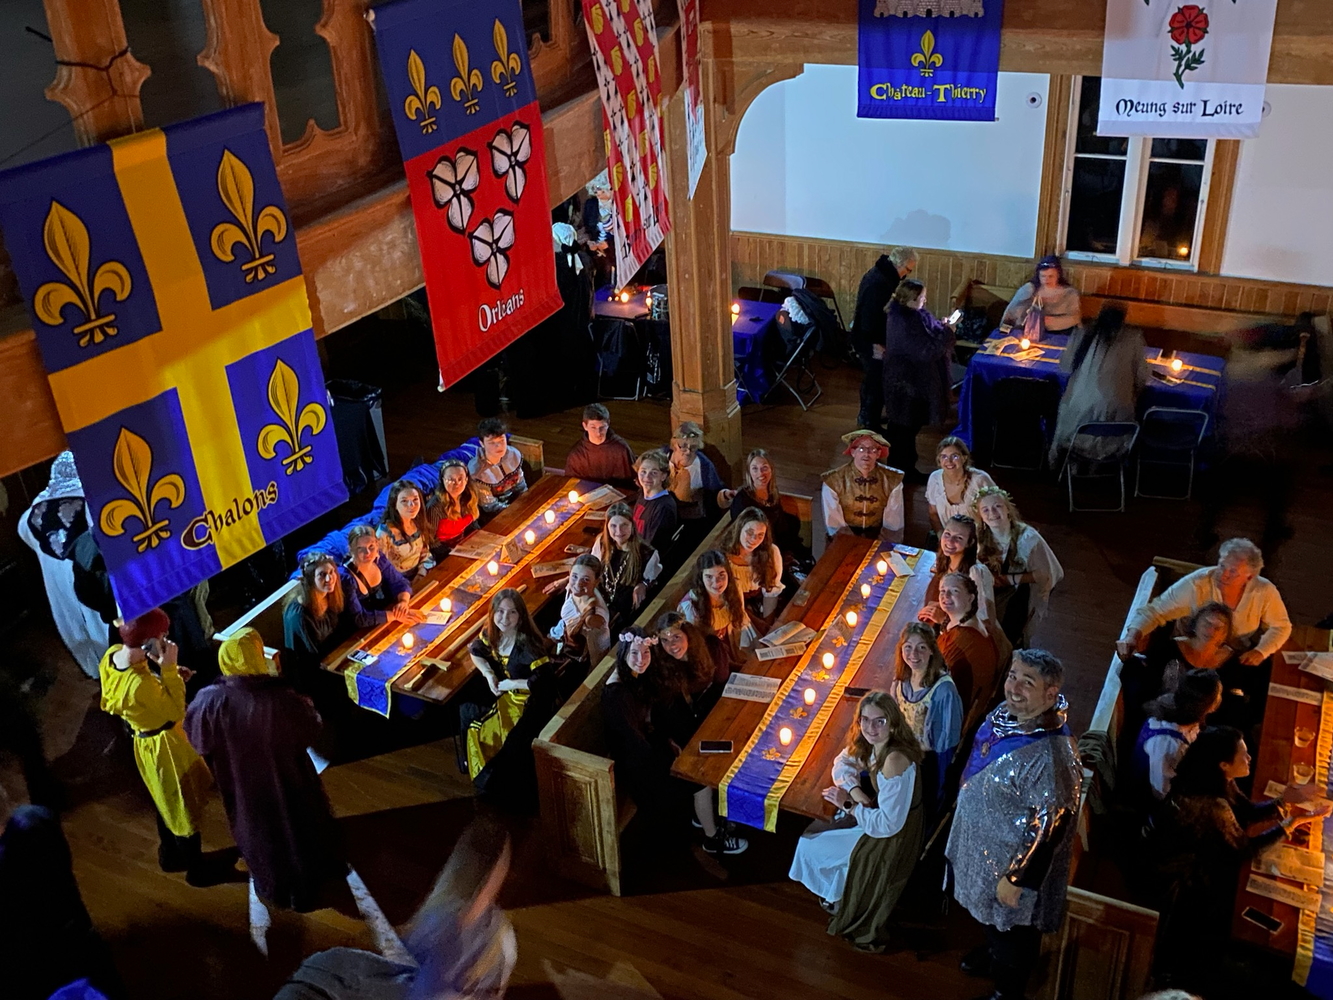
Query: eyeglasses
point(950, 457)
point(866, 450)
point(876, 723)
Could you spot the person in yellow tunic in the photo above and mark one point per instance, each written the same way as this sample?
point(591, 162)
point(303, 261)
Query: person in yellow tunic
point(153, 706)
point(513, 657)
point(864, 496)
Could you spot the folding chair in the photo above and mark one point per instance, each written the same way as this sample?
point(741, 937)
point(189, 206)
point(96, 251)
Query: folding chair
point(1169, 438)
point(816, 286)
point(620, 358)
point(1024, 412)
point(795, 374)
point(1099, 450)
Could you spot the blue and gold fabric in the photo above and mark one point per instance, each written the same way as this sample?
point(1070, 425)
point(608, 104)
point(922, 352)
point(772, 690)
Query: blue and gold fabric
point(170, 311)
point(928, 59)
point(752, 789)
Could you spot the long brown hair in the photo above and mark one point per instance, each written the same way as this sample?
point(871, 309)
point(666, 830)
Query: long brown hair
point(699, 593)
point(935, 669)
point(637, 551)
point(698, 666)
point(527, 631)
point(443, 507)
point(748, 482)
point(988, 549)
point(305, 593)
point(970, 586)
point(900, 735)
point(762, 562)
point(970, 554)
point(391, 518)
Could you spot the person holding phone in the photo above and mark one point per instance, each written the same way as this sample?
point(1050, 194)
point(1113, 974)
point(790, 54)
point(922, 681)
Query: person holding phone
point(152, 705)
point(918, 349)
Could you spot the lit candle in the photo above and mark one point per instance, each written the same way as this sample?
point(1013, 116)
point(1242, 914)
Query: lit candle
point(529, 536)
point(446, 605)
point(1177, 365)
point(809, 696)
point(549, 517)
point(865, 590)
point(648, 300)
point(735, 309)
point(784, 736)
point(493, 568)
point(573, 496)
point(408, 640)
point(851, 619)
point(828, 661)
point(1025, 343)
point(624, 296)
point(882, 567)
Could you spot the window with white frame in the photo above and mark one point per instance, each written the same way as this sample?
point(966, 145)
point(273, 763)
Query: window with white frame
point(1131, 200)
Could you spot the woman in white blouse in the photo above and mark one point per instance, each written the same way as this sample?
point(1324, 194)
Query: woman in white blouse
point(859, 864)
point(714, 603)
point(1025, 568)
point(756, 564)
point(952, 488)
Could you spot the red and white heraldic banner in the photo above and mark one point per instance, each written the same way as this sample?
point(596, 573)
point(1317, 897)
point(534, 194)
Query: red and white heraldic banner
point(1185, 70)
point(623, 37)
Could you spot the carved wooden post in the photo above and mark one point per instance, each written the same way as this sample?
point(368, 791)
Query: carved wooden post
point(237, 53)
point(97, 79)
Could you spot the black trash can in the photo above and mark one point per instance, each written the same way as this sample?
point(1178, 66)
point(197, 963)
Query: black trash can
point(358, 423)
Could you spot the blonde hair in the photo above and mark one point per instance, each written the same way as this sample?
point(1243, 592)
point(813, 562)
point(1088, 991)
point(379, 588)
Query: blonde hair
point(442, 507)
point(635, 559)
point(988, 549)
point(935, 669)
point(654, 456)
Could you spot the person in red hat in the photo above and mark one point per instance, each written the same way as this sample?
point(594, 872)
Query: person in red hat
point(153, 706)
point(865, 495)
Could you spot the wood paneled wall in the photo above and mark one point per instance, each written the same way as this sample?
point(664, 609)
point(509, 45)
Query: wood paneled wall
point(842, 264)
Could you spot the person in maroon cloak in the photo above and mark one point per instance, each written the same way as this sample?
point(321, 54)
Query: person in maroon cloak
point(253, 730)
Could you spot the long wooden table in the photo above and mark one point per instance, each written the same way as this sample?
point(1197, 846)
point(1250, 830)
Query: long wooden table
point(1275, 757)
point(440, 676)
point(812, 604)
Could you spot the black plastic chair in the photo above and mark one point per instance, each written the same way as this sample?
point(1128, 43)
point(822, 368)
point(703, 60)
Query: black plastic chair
point(1024, 415)
point(1169, 439)
point(620, 359)
point(794, 373)
point(786, 281)
point(1099, 450)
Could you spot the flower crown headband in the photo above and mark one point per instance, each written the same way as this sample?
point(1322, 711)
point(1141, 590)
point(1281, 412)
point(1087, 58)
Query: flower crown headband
point(638, 640)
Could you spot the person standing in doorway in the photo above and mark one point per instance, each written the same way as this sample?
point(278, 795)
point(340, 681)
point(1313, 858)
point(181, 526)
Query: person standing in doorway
point(872, 298)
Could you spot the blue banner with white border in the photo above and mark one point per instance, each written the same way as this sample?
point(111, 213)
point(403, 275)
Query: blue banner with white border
point(928, 59)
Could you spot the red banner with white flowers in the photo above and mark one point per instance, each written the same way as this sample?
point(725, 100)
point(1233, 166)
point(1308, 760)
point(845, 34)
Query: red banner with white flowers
point(1185, 70)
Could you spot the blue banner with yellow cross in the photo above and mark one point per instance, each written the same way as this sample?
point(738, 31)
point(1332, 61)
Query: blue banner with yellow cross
point(928, 58)
point(163, 282)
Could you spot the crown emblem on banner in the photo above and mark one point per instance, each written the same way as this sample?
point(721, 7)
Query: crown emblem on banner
point(927, 60)
point(425, 97)
point(237, 188)
point(468, 83)
point(930, 8)
point(284, 393)
point(66, 240)
point(508, 66)
point(132, 463)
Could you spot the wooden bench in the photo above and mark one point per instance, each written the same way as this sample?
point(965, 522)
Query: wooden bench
point(266, 616)
point(583, 814)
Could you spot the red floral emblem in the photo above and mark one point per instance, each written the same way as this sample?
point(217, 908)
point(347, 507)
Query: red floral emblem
point(1188, 27)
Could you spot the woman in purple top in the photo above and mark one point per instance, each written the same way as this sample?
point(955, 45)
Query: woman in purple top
point(373, 591)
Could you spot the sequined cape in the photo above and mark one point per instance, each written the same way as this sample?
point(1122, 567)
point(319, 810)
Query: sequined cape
point(1015, 819)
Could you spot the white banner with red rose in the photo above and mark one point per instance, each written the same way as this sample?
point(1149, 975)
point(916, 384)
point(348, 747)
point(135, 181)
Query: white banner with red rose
point(1185, 70)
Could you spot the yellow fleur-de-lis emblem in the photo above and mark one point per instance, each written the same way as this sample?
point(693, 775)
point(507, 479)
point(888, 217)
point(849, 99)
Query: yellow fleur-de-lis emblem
point(237, 188)
point(927, 60)
point(425, 97)
point(132, 463)
point(606, 140)
point(772, 754)
point(821, 676)
point(617, 62)
point(798, 713)
point(652, 69)
point(283, 396)
point(66, 240)
point(468, 83)
point(652, 176)
point(629, 209)
point(631, 104)
point(643, 142)
point(638, 31)
point(508, 66)
point(624, 6)
point(617, 175)
point(598, 19)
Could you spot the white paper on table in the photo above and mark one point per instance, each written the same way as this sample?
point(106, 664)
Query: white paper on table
point(997, 344)
point(1269, 888)
point(362, 657)
point(1295, 694)
point(779, 652)
point(552, 568)
point(751, 687)
point(793, 631)
point(1319, 664)
point(1291, 862)
point(899, 565)
point(595, 515)
point(603, 496)
point(438, 617)
point(478, 545)
point(1293, 657)
point(1274, 789)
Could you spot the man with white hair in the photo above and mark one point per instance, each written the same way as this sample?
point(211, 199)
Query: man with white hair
point(1260, 624)
point(868, 332)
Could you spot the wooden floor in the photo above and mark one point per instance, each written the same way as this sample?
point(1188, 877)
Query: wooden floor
point(691, 927)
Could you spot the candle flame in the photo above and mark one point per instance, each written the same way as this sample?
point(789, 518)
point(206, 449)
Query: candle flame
point(784, 736)
point(735, 309)
point(882, 567)
point(408, 640)
point(624, 296)
point(827, 661)
point(573, 496)
point(529, 536)
point(865, 590)
point(549, 517)
point(851, 619)
point(446, 605)
point(1177, 364)
point(1025, 343)
point(809, 696)
point(493, 568)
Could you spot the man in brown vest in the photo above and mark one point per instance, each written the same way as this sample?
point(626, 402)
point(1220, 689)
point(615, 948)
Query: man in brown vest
point(865, 495)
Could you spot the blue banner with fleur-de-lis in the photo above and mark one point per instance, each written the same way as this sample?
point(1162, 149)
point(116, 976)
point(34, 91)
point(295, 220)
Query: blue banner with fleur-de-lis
point(928, 59)
point(170, 311)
